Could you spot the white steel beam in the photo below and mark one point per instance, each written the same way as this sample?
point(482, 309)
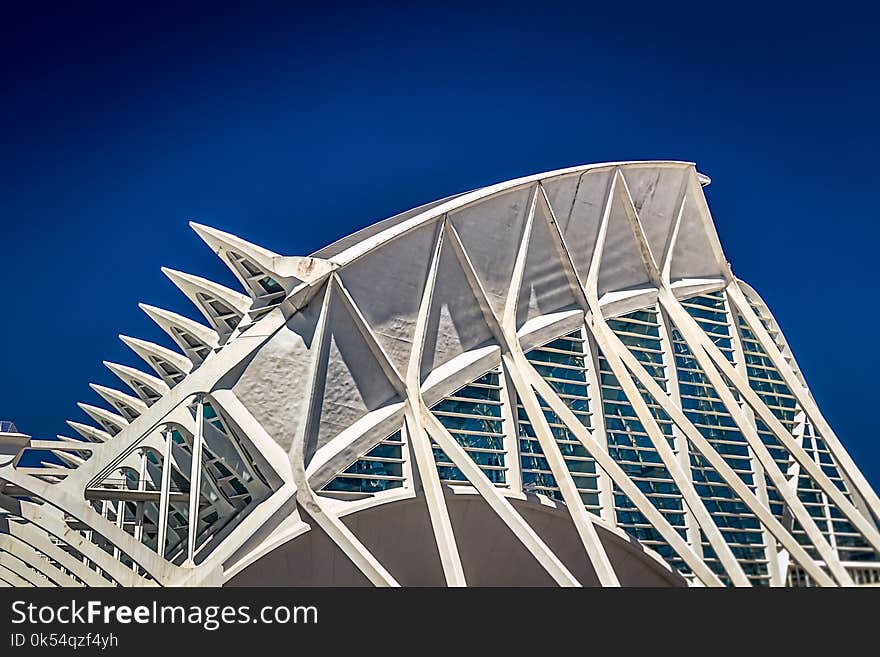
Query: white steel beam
point(418, 442)
point(695, 338)
point(805, 399)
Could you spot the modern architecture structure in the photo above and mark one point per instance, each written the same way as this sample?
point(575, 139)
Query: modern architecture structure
point(556, 380)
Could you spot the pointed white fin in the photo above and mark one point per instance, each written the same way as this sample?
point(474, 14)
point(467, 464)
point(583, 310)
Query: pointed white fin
point(267, 276)
point(109, 421)
point(92, 434)
point(169, 365)
point(146, 386)
point(67, 439)
point(223, 308)
point(127, 406)
point(194, 339)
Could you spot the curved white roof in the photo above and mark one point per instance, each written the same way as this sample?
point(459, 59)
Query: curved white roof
point(331, 356)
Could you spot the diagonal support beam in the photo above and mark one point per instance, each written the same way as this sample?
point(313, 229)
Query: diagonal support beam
point(721, 466)
point(500, 504)
point(699, 347)
point(844, 460)
point(310, 503)
point(39, 540)
point(516, 366)
point(627, 486)
point(28, 555)
point(778, 559)
point(419, 444)
point(612, 347)
point(587, 295)
point(504, 331)
point(579, 515)
point(806, 462)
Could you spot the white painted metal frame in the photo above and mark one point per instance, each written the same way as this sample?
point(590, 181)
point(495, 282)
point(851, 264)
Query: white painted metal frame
point(295, 506)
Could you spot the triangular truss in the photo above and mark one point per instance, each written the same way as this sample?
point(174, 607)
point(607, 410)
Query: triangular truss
point(573, 341)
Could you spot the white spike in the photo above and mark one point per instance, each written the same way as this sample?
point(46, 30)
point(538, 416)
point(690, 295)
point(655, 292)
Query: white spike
point(152, 353)
point(70, 459)
point(260, 262)
point(201, 289)
point(128, 406)
point(287, 271)
point(111, 422)
point(92, 434)
point(171, 323)
point(130, 376)
point(68, 439)
point(220, 241)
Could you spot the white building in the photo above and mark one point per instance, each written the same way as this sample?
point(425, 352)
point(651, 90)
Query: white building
point(555, 380)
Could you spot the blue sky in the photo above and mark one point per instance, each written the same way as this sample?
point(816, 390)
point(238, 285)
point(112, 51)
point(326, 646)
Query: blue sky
point(293, 126)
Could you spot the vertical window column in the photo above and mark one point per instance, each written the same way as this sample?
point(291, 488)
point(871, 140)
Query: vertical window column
point(561, 363)
point(473, 416)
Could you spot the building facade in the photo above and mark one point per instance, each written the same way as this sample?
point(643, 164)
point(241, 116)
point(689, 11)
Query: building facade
point(556, 380)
